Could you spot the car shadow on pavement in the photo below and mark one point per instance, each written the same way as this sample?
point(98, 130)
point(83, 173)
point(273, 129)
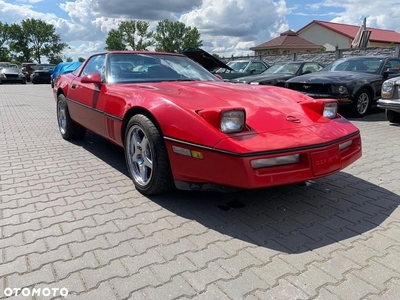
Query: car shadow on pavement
point(293, 219)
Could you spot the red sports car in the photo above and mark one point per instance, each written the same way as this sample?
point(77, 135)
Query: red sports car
point(183, 127)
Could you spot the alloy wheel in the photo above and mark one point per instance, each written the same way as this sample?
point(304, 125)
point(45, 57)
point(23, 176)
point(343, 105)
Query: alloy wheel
point(140, 157)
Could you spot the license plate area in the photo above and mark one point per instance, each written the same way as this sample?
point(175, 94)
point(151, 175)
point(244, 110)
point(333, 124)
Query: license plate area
point(326, 161)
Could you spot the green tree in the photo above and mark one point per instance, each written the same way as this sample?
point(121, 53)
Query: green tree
point(56, 59)
point(81, 59)
point(176, 36)
point(4, 40)
point(33, 39)
point(114, 40)
point(69, 59)
point(130, 34)
point(19, 44)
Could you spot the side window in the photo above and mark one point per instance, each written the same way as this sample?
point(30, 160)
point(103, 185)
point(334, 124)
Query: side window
point(393, 63)
point(310, 68)
point(259, 67)
point(95, 65)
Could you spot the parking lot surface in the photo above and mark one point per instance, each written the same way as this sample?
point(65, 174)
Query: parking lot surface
point(70, 218)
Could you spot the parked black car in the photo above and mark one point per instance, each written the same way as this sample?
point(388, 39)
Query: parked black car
point(42, 73)
point(354, 81)
point(278, 73)
point(233, 69)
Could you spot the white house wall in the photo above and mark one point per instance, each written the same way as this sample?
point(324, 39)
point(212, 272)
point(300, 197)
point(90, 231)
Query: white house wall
point(321, 36)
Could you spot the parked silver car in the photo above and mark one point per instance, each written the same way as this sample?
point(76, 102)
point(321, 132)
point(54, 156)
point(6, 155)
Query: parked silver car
point(11, 73)
point(390, 99)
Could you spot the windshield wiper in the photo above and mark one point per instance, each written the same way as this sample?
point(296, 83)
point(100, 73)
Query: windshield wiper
point(181, 79)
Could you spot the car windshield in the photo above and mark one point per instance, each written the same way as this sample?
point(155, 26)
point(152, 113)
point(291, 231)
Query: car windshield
point(44, 67)
point(288, 68)
point(10, 66)
point(137, 67)
point(238, 66)
point(365, 65)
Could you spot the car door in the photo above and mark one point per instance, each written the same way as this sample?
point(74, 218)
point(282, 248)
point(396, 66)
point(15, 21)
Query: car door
point(84, 97)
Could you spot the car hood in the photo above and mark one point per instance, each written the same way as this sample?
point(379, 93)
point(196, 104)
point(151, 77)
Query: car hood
point(267, 107)
point(205, 59)
point(262, 77)
point(329, 77)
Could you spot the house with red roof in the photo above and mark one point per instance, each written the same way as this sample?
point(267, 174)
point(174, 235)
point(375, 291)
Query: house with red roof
point(319, 35)
point(340, 36)
point(288, 42)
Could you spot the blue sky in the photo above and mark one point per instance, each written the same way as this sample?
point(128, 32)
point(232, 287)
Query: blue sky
point(227, 27)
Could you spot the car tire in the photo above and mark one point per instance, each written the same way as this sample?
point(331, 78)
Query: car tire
point(361, 104)
point(392, 116)
point(146, 157)
point(69, 129)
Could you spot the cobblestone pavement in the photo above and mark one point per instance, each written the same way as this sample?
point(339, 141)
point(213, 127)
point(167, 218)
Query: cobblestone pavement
point(70, 218)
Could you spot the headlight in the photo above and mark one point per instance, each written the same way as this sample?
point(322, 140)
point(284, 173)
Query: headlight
point(341, 89)
point(387, 89)
point(330, 110)
point(232, 120)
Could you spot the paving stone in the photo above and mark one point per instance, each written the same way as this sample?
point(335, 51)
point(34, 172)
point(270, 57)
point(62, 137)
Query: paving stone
point(200, 279)
point(283, 290)
point(352, 288)
point(70, 216)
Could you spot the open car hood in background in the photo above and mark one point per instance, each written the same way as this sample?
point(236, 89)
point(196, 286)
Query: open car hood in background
point(205, 59)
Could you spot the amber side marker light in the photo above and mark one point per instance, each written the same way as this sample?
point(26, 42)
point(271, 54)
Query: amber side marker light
point(187, 152)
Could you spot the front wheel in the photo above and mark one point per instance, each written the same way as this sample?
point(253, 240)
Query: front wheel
point(362, 103)
point(392, 116)
point(146, 157)
point(68, 128)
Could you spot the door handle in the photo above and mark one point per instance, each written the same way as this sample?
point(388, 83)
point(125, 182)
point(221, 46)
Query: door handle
point(73, 86)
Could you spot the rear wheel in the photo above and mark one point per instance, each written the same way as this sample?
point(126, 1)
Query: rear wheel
point(68, 128)
point(361, 104)
point(392, 116)
point(146, 157)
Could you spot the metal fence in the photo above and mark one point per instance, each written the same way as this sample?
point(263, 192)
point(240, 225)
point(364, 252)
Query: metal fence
point(323, 57)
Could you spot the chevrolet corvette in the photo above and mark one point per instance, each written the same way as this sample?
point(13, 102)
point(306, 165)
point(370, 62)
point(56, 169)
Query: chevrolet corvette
point(182, 127)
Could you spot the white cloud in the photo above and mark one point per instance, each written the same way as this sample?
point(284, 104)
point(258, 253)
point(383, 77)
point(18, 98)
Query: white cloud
point(233, 26)
point(227, 26)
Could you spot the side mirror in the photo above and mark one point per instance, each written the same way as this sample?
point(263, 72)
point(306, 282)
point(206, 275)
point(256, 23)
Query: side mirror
point(92, 78)
point(253, 71)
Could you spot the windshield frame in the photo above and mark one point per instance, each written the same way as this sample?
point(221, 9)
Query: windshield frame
point(170, 68)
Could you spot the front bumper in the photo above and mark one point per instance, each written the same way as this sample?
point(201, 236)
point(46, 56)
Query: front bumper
point(389, 104)
point(342, 99)
point(235, 170)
